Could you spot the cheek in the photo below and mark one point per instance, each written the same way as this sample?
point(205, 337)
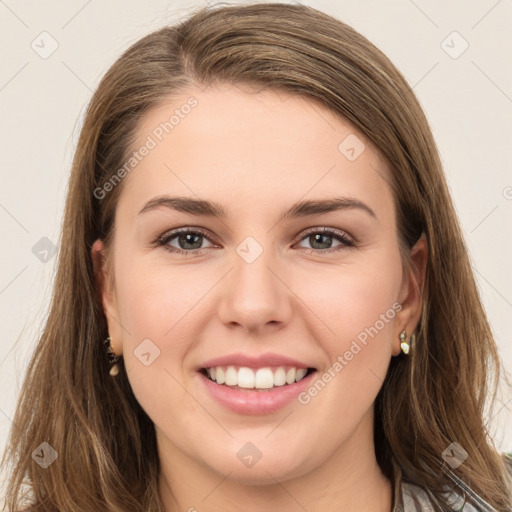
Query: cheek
point(160, 303)
point(160, 331)
point(154, 299)
point(360, 308)
point(155, 308)
point(358, 304)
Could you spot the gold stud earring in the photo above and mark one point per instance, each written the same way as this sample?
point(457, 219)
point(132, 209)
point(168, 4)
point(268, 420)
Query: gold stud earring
point(404, 345)
point(112, 358)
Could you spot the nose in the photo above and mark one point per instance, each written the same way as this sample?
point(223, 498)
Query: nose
point(255, 296)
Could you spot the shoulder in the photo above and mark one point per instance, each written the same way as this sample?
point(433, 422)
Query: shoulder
point(415, 498)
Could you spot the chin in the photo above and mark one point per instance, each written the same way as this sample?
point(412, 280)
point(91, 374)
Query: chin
point(265, 471)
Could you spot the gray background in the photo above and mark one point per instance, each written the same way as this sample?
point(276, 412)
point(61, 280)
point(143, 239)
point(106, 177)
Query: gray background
point(467, 96)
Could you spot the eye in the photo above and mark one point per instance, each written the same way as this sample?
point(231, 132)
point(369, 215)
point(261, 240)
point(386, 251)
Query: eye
point(323, 238)
point(189, 240)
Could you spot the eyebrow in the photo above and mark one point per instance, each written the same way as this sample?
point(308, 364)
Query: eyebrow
point(300, 209)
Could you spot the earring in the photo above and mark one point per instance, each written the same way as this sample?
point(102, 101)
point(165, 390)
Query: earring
point(112, 358)
point(406, 345)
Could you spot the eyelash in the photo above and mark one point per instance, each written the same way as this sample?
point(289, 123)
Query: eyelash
point(164, 240)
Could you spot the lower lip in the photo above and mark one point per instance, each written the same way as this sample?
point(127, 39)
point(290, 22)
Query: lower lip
point(255, 402)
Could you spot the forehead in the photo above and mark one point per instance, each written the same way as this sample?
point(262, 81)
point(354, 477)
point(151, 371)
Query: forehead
point(247, 148)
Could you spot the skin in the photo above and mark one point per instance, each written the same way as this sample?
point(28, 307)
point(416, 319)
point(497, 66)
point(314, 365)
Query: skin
point(257, 153)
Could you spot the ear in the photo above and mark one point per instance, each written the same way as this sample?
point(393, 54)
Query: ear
point(411, 292)
point(106, 294)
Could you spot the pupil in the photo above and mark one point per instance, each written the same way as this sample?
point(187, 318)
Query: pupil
point(320, 236)
point(185, 239)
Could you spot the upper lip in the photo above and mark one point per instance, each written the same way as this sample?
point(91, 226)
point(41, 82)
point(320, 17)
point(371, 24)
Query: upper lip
point(261, 361)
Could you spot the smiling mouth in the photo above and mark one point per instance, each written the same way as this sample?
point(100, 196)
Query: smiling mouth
point(244, 378)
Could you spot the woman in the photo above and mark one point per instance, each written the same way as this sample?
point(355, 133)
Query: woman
point(249, 369)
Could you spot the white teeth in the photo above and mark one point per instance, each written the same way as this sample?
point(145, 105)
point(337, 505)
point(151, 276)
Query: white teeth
point(300, 374)
point(279, 377)
point(219, 375)
point(231, 376)
point(290, 376)
point(262, 378)
point(245, 378)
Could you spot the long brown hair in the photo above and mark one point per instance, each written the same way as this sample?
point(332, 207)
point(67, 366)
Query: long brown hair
point(107, 457)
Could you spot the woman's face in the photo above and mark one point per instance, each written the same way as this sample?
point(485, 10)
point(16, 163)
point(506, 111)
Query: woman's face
point(256, 291)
